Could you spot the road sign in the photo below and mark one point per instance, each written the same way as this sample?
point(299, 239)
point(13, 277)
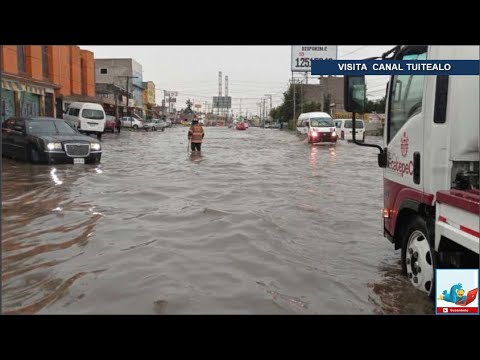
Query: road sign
point(302, 56)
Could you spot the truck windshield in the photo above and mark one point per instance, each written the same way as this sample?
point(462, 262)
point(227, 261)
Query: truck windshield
point(321, 122)
point(92, 114)
point(349, 123)
point(49, 127)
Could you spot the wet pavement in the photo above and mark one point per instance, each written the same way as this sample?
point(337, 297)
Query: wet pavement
point(259, 223)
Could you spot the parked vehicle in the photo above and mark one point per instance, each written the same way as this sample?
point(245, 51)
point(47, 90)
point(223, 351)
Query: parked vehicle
point(48, 141)
point(318, 126)
point(110, 123)
point(431, 163)
point(344, 129)
point(240, 126)
point(155, 125)
point(87, 118)
point(131, 122)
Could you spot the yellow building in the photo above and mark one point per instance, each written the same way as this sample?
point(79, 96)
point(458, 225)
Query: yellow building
point(149, 100)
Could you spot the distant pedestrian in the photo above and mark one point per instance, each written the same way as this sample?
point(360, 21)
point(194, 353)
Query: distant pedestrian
point(118, 125)
point(196, 135)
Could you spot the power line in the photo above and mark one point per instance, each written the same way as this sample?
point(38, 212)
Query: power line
point(354, 51)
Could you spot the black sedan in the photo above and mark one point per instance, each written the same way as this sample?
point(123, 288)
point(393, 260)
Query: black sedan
point(47, 141)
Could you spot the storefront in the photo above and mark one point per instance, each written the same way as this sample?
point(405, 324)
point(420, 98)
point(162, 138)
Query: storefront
point(26, 98)
point(29, 104)
point(7, 104)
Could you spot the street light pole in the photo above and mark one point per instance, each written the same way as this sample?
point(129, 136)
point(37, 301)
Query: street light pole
point(128, 83)
point(270, 96)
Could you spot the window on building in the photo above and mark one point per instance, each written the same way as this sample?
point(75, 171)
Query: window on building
point(21, 59)
point(45, 62)
point(103, 71)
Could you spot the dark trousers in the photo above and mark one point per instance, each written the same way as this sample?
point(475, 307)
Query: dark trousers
point(196, 146)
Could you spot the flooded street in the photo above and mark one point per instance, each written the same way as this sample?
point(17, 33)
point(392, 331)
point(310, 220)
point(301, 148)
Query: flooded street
point(259, 223)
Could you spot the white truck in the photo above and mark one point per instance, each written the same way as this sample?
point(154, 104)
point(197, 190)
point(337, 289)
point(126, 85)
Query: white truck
point(431, 163)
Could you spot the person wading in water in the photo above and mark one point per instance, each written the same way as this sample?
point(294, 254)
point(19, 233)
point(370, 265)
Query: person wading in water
point(196, 135)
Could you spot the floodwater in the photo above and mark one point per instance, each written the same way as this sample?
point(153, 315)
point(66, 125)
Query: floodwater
point(259, 223)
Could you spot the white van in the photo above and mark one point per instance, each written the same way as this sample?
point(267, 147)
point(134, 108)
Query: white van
point(344, 129)
point(318, 126)
point(88, 118)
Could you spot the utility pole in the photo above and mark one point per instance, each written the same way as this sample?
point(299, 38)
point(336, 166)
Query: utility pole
point(270, 96)
point(164, 107)
point(293, 121)
point(264, 111)
point(219, 90)
point(128, 93)
point(301, 96)
point(226, 96)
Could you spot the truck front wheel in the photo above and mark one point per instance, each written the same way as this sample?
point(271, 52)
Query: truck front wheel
point(418, 256)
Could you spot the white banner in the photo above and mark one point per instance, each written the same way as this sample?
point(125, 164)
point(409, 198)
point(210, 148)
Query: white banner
point(302, 56)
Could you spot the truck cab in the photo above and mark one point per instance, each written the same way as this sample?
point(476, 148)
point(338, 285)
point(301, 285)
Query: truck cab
point(431, 164)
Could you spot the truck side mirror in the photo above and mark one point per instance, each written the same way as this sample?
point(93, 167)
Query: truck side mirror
point(354, 93)
point(383, 158)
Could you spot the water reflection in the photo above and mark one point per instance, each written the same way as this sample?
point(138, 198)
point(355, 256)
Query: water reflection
point(43, 226)
point(196, 157)
point(313, 157)
point(56, 180)
point(319, 152)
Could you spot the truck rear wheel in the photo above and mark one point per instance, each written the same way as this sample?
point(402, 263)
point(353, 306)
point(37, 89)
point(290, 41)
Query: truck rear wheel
point(418, 256)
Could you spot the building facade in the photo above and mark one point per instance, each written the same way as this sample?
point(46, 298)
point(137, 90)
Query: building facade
point(41, 80)
point(125, 74)
point(330, 88)
point(149, 100)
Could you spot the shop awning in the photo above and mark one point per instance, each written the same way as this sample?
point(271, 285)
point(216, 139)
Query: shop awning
point(11, 85)
point(16, 86)
point(35, 89)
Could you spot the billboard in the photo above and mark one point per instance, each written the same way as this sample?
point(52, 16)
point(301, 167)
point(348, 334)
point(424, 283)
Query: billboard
point(222, 102)
point(302, 56)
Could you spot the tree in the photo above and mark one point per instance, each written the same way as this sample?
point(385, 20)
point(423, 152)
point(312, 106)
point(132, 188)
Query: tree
point(189, 110)
point(377, 106)
point(284, 112)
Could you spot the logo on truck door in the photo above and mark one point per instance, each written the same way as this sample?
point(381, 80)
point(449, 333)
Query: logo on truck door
point(395, 163)
point(404, 144)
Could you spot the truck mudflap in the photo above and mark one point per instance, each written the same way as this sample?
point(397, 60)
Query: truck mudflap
point(457, 218)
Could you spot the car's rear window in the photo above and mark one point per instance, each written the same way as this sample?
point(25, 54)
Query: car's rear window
point(349, 123)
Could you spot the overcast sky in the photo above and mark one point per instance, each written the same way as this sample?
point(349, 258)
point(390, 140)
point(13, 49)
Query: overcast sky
point(253, 71)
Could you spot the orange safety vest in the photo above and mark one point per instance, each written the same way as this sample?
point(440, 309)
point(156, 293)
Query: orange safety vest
point(196, 133)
